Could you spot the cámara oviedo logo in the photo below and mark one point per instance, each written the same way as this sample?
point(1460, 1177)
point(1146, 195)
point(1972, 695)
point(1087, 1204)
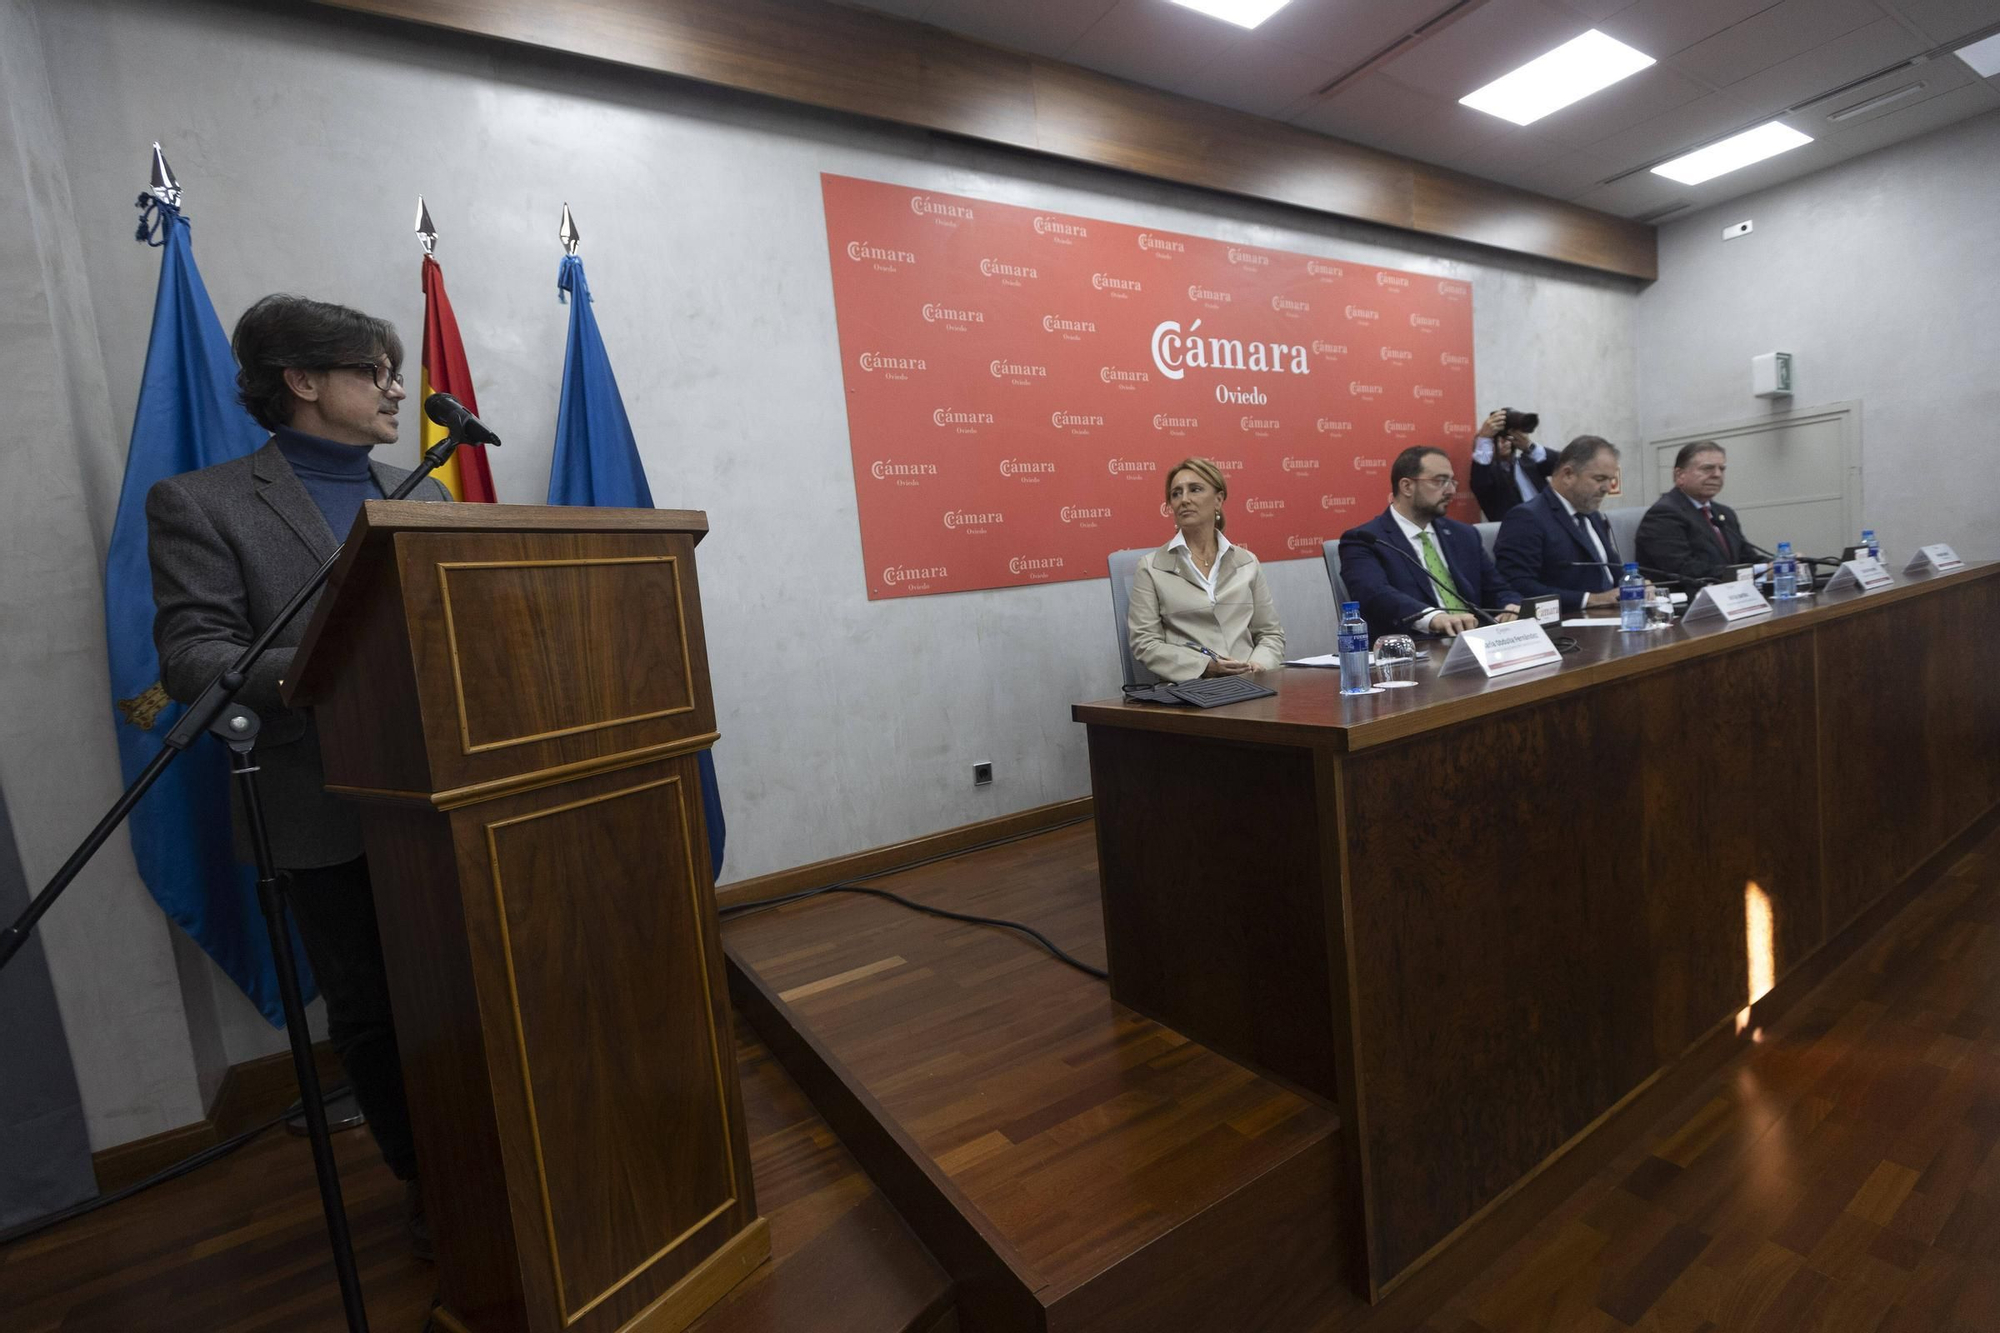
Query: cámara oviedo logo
point(1330, 426)
point(1261, 425)
point(1361, 314)
point(1248, 258)
point(898, 574)
point(947, 416)
point(1163, 422)
point(1124, 378)
point(925, 206)
point(1356, 389)
point(1457, 291)
point(995, 268)
point(1022, 467)
point(1262, 506)
point(1318, 269)
point(1077, 421)
point(1084, 514)
point(1336, 502)
point(935, 313)
point(955, 519)
point(1059, 228)
point(1424, 391)
point(874, 361)
point(1209, 295)
point(1304, 543)
point(1397, 354)
point(1458, 430)
point(1396, 280)
point(1286, 306)
point(1057, 324)
point(1175, 353)
point(1453, 360)
point(1033, 564)
point(888, 469)
point(1160, 244)
point(1393, 427)
point(1015, 370)
point(1130, 467)
point(1333, 351)
point(1106, 282)
point(1291, 464)
point(1424, 322)
point(1369, 464)
point(862, 250)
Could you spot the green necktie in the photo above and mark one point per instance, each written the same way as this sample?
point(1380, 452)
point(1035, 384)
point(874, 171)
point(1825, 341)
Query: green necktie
point(1442, 573)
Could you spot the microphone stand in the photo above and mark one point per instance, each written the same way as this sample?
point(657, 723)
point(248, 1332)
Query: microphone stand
point(216, 710)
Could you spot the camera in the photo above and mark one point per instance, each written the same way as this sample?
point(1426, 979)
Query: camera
point(1522, 423)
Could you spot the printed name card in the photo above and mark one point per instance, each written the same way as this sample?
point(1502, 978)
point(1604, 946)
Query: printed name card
point(1732, 601)
point(1864, 572)
point(1934, 558)
point(1499, 649)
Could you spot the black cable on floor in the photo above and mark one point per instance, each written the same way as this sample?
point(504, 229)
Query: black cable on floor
point(181, 1168)
point(743, 909)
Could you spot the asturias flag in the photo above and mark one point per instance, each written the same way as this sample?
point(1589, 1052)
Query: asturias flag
point(465, 474)
point(597, 463)
point(187, 418)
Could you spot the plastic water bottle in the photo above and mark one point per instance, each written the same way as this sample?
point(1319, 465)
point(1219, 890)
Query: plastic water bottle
point(1632, 599)
point(1353, 650)
point(1785, 574)
point(1868, 540)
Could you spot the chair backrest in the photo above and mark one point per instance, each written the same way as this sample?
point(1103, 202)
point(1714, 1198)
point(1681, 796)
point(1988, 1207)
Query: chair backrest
point(1488, 534)
point(1331, 552)
point(1624, 523)
point(1123, 564)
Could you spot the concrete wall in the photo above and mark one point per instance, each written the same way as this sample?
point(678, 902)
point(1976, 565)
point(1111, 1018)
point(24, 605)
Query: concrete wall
point(1879, 276)
point(303, 137)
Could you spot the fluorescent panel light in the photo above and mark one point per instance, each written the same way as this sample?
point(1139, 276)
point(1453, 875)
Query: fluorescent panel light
point(1983, 56)
point(1243, 13)
point(1574, 70)
point(1740, 150)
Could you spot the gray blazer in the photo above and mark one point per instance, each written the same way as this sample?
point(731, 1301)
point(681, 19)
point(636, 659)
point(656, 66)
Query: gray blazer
point(229, 546)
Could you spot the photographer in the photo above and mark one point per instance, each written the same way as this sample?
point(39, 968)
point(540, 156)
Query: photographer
point(1507, 466)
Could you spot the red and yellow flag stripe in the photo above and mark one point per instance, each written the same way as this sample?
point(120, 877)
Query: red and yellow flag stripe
point(466, 475)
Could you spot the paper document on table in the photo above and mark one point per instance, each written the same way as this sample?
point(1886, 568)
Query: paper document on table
point(1599, 621)
point(1323, 660)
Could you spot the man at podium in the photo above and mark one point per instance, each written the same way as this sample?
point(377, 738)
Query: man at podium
point(229, 545)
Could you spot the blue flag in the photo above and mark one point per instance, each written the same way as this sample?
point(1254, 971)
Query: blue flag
point(187, 418)
point(597, 463)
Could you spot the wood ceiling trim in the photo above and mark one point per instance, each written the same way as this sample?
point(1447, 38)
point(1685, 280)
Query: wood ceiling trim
point(874, 65)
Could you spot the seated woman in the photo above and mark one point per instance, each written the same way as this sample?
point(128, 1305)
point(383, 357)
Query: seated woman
point(1200, 606)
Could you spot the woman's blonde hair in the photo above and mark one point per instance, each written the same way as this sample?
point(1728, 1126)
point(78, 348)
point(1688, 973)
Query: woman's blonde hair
point(1208, 472)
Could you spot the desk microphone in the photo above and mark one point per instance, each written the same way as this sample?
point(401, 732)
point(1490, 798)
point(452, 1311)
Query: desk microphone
point(1480, 613)
point(457, 418)
point(1656, 575)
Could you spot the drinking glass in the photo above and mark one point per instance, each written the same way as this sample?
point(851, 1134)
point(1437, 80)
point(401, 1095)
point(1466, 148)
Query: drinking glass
point(1396, 661)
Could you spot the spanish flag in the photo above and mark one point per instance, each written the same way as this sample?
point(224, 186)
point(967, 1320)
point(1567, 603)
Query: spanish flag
point(465, 474)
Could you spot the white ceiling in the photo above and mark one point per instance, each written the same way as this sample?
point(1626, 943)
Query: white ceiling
point(1724, 65)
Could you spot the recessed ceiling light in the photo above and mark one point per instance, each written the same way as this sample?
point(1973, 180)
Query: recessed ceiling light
point(1983, 56)
point(1739, 150)
point(1243, 13)
point(1574, 70)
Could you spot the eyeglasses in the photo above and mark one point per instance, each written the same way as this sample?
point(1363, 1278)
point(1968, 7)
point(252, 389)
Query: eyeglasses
point(376, 371)
point(1441, 480)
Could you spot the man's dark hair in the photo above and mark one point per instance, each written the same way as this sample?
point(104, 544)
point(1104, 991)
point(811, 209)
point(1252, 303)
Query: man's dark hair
point(283, 332)
point(1409, 465)
point(1688, 452)
point(1581, 450)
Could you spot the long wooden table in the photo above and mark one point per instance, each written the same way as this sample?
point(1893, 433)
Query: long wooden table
point(1476, 916)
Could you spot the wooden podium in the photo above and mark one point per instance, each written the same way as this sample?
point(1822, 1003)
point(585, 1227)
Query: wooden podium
point(518, 696)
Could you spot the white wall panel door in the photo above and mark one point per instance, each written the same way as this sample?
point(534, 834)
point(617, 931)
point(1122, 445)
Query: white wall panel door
point(1793, 476)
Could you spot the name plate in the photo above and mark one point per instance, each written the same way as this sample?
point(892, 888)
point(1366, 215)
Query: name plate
point(1499, 649)
point(1732, 601)
point(1864, 572)
point(1936, 556)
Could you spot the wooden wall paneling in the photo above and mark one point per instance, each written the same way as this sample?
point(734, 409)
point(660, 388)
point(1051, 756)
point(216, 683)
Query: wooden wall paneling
point(869, 64)
point(1730, 744)
point(1496, 885)
point(1215, 899)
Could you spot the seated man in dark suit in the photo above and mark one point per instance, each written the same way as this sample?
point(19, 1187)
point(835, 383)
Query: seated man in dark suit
point(1557, 542)
point(1687, 530)
point(1508, 468)
point(1414, 570)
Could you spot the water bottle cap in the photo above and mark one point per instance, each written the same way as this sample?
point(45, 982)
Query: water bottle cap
point(1784, 546)
point(1350, 608)
point(1631, 567)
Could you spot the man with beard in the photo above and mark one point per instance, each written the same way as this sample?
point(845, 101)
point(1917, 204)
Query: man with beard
point(1414, 570)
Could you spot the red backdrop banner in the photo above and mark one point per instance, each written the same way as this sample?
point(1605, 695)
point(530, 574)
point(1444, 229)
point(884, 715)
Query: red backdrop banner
point(1019, 383)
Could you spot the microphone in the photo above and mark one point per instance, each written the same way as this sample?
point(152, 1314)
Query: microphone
point(457, 418)
point(1656, 575)
point(1480, 613)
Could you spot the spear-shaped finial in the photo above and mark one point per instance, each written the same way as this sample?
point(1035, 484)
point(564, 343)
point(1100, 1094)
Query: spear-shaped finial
point(426, 231)
point(570, 235)
point(164, 187)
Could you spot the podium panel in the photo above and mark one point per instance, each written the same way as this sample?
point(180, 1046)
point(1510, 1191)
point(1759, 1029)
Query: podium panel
point(518, 698)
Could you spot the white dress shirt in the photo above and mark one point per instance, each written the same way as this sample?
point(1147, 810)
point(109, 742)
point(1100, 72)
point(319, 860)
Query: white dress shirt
point(1414, 535)
point(1595, 543)
point(1206, 580)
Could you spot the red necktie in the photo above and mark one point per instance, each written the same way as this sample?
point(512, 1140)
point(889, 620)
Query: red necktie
point(1721, 538)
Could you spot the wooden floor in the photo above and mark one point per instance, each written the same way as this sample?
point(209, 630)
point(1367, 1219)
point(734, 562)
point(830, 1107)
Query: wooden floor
point(1843, 1175)
point(240, 1246)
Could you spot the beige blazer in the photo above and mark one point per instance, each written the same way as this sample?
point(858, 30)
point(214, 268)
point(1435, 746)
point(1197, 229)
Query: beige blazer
point(1170, 608)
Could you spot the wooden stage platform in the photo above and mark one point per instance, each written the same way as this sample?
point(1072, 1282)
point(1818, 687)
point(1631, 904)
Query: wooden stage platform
point(1072, 1165)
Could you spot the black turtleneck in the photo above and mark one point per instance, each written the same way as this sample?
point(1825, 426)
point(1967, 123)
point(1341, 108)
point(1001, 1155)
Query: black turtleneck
point(336, 476)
